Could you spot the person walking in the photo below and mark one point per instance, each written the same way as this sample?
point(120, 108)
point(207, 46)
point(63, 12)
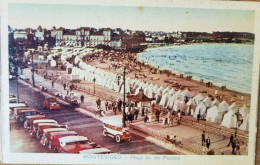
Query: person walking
point(157, 114)
point(179, 117)
point(231, 138)
point(208, 143)
point(82, 99)
point(238, 148)
point(198, 117)
point(119, 104)
point(52, 83)
point(64, 86)
point(233, 144)
point(203, 138)
point(98, 103)
point(136, 114)
point(106, 105)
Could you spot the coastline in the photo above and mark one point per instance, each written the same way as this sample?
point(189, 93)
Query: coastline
point(166, 78)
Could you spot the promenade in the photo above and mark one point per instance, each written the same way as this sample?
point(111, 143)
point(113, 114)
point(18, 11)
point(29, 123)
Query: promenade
point(188, 132)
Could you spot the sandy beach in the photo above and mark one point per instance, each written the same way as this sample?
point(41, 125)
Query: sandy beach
point(149, 74)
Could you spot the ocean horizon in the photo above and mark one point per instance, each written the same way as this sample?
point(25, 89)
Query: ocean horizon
point(221, 64)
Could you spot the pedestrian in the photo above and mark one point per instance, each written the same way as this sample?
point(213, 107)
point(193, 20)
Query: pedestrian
point(98, 103)
point(52, 83)
point(67, 92)
point(238, 148)
point(106, 105)
point(157, 114)
point(208, 143)
point(231, 138)
point(114, 107)
point(136, 114)
point(82, 99)
point(203, 138)
point(233, 144)
point(145, 118)
point(204, 150)
point(64, 86)
point(119, 104)
point(179, 116)
point(71, 87)
point(198, 117)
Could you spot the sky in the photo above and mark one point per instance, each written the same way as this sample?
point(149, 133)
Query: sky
point(130, 17)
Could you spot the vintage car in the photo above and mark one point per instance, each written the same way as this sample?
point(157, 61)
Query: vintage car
point(42, 126)
point(13, 100)
point(29, 121)
point(74, 144)
point(17, 105)
point(115, 130)
point(51, 103)
point(34, 126)
point(96, 151)
point(46, 134)
point(54, 142)
point(21, 113)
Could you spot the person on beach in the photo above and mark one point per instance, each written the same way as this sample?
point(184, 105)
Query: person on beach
point(106, 105)
point(238, 148)
point(233, 145)
point(157, 114)
point(208, 143)
point(179, 116)
point(198, 117)
point(82, 99)
point(64, 86)
point(203, 138)
point(231, 138)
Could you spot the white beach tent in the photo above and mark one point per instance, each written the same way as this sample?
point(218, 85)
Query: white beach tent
point(198, 98)
point(190, 105)
point(214, 115)
point(230, 119)
point(215, 103)
point(207, 102)
point(200, 109)
point(245, 125)
point(223, 106)
point(164, 100)
point(244, 111)
point(179, 105)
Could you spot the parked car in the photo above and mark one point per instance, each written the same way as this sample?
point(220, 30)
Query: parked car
point(74, 144)
point(22, 113)
point(96, 151)
point(13, 100)
point(42, 126)
point(29, 121)
point(51, 103)
point(115, 130)
point(17, 105)
point(34, 126)
point(46, 134)
point(53, 141)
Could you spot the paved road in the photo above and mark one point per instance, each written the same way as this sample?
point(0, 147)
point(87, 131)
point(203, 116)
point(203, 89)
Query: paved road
point(85, 125)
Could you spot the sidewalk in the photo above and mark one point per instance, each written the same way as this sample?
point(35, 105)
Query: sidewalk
point(189, 136)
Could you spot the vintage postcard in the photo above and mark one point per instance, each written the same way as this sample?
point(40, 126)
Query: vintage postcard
point(130, 82)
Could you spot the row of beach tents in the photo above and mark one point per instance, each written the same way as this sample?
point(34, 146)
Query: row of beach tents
point(185, 101)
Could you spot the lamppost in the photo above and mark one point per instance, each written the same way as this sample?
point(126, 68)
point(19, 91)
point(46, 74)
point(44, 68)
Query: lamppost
point(33, 71)
point(124, 115)
point(118, 79)
point(94, 80)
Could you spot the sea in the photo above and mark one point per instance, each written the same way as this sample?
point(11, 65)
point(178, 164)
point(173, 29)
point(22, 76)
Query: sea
point(221, 64)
